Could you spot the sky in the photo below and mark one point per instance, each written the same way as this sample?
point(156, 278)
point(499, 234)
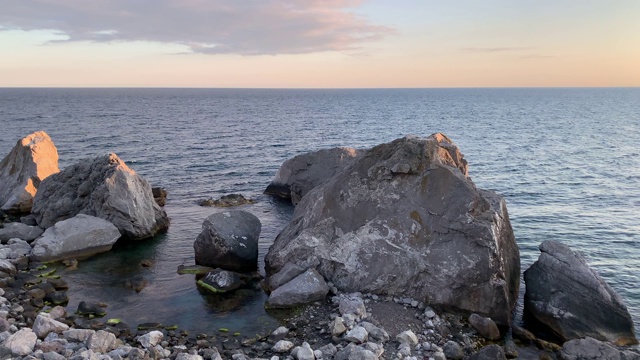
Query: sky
point(319, 44)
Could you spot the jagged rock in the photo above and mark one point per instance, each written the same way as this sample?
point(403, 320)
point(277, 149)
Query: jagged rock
point(404, 219)
point(352, 305)
point(337, 326)
point(44, 324)
point(78, 237)
point(227, 201)
point(104, 187)
point(304, 352)
point(491, 352)
point(485, 327)
point(282, 346)
point(356, 335)
point(303, 289)
point(101, 342)
point(288, 272)
point(21, 343)
point(7, 267)
point(279, 334)
point(592, 349)
point(159, 195)
point(221, 281)
point(30, 161)
point(20, 231)
point(298, 175)
point(229, 240)
point(151, 339)
point(567, 297)
point(376, 333)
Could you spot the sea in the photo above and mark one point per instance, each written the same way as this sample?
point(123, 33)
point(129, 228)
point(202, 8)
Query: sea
point(567, 161)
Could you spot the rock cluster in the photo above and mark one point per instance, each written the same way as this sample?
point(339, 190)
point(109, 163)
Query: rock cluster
point(31, 160)
point(404, 219)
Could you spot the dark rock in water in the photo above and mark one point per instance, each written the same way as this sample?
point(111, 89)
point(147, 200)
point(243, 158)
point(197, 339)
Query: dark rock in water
point(104, 187)
point(58, 297)
point(149, 326)
point(229, 240)
point(136, 284)
point(592, 349)
point(222, 281)
point(298, 175)
point(491, 352)
point(20, 231)
point(567, 297)
point(85, 308)
point(31, 160)
point(226, 201)
point(146, 263)
point(404, 219)
point(159, 195)
point(194, 269)
point(303, 289)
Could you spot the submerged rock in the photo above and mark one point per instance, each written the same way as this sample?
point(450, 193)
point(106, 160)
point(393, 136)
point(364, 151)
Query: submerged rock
point(226, 201)
point(229, 240)
point(104, 187)
point(221, 281)
point(567, 297)
point(404, 219)
point(78, 237)
point(298, 175)
point(31, 160)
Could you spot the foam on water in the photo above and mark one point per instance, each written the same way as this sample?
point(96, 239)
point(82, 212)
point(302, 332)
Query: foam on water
point(566, 160)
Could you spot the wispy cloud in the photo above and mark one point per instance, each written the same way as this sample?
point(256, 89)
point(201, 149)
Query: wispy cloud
point(495, 49)
point(248, 27)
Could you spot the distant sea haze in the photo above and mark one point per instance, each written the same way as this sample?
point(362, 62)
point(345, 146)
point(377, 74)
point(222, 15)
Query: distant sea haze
point(566, 160)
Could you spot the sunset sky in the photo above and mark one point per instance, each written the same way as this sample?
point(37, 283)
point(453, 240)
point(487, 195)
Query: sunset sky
point(319, 44)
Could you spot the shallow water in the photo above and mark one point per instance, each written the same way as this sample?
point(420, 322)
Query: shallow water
point(566, 160)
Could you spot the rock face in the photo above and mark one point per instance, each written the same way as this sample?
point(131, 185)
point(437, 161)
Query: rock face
point(229, 240)
point(32, 160)
point(104, 187)
point(298, 175)
point(569, 298)
point(78, 237)
point(405, 219)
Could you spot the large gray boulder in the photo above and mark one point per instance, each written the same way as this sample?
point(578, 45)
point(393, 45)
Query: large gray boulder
point(30, 161)
point(404, 219)
point(104, 187)
point(570, 299)
point(298, 175)
point(20, 231)
point(229, 240)
point(78, 237)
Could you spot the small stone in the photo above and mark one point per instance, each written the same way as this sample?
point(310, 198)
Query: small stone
point(44, 324)
point(279, 333)
point(407, 337)
point(485, 327)
point(305, 352)
point(357, 335)
point(430, 313)
point(414, 303)
point(282, 346)
point(352, 305)
point(101, 342)
point(337, 327)
point(150, 339)
point(453, 350)
point(21, 343)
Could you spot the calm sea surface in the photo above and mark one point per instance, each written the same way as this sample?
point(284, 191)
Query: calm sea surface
point(566, 160)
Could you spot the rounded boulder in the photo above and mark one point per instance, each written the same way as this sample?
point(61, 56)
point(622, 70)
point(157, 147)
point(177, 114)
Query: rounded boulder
point(229, 240)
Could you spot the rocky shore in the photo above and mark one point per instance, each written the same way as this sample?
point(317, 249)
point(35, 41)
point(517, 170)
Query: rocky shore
point(392, 253)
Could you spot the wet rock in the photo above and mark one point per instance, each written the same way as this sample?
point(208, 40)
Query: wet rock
point(298, 175)
point(88, 308)
point(405, 219)
point(229, 240)
point(44, 325)
point(303, 289)
point(491, 352)
point(58, 297)
point(19, 231)
point(592, 349)
point(31, 160)
point(159, 195)
point(79, 236)
point(104, 187)
point(137, 284)
point(222, 281)
point(485, 327)
point(567, 297)
point(226, 201)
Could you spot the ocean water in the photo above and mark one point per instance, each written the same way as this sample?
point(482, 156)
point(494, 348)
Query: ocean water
point(566, 160)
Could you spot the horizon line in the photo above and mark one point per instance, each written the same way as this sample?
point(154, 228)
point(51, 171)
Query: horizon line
point(319, 88)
